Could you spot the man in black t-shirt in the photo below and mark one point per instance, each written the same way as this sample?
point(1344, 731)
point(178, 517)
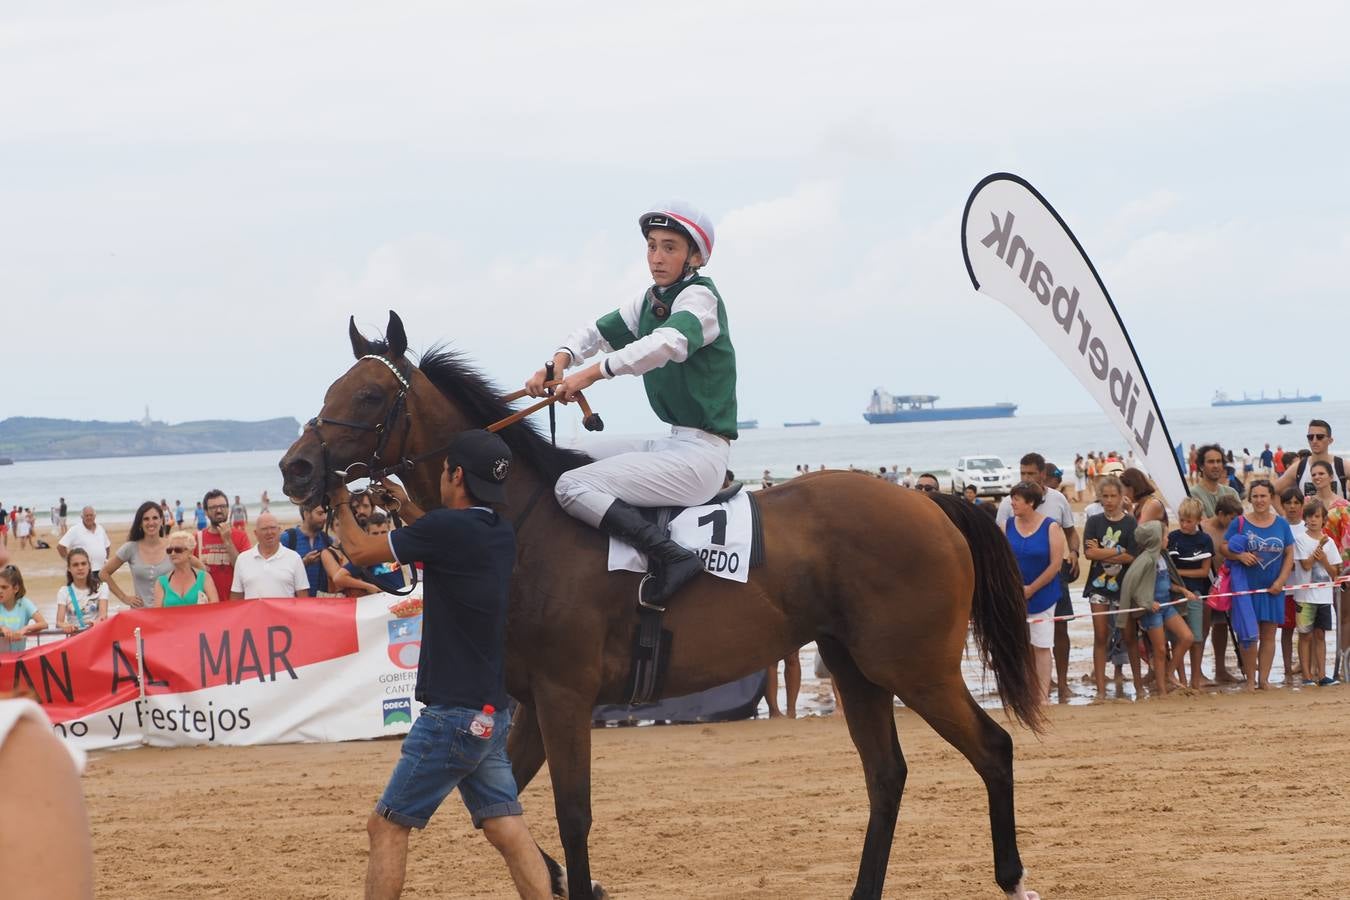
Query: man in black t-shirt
point(459, 738)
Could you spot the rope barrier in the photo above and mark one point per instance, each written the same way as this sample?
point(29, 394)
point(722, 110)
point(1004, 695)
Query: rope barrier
point(1344, 579)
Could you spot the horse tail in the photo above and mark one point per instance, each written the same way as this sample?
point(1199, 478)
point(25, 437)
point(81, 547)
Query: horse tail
point(999, 610)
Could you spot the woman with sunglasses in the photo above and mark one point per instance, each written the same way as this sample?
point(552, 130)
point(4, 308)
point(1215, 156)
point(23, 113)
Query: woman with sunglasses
point(184, 586)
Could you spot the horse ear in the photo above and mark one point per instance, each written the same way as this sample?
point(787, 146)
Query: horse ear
point(396, 337)
point(360, 346)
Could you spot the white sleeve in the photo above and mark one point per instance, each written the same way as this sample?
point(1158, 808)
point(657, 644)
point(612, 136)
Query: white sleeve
point(667, 344)
point(1004, 511)
point(586, 341)
point(237, 584)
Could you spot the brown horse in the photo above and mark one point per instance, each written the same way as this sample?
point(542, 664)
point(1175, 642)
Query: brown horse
point(884, 579)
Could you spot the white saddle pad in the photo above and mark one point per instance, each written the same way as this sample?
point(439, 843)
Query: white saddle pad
point(719, 533)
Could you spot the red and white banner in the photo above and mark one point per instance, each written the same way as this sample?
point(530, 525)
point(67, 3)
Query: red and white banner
point(235, 673)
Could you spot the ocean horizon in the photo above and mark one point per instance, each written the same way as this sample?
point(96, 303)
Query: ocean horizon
point(116, 486)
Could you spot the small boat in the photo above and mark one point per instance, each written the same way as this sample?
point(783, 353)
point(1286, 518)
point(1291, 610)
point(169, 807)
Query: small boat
point(746, 424)
point(6, 461)
point(810, 423)
point(1284, 420)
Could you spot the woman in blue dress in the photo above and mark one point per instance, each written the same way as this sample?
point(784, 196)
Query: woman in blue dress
point(1038, 543)
point(1267, 563)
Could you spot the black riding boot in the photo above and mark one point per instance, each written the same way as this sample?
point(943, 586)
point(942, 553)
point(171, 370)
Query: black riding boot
point(669, 565)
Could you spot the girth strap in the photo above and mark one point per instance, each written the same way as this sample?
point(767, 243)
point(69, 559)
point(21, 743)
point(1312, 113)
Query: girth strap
point(651, 655)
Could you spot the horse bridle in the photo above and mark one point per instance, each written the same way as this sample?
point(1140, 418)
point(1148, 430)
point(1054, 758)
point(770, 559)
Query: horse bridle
point(384, 430)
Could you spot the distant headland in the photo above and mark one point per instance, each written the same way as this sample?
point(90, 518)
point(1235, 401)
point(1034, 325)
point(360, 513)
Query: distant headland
point(23, 439)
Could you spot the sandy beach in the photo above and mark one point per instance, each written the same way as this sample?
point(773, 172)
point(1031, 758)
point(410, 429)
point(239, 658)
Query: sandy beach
point(1203, 796)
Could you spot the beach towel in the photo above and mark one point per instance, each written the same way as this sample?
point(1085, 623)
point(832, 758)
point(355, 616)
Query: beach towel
point(1242, 614)
point(1136, 588)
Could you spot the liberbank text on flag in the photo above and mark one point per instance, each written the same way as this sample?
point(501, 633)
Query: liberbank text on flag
point(1019, 251)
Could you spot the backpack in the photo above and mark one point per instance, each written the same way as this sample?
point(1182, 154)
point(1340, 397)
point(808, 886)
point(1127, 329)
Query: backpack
point(293, 533)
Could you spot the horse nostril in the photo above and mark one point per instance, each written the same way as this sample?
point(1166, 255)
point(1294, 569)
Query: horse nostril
point(299, 468)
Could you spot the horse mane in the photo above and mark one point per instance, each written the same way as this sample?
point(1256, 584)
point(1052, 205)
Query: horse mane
point(481, 402)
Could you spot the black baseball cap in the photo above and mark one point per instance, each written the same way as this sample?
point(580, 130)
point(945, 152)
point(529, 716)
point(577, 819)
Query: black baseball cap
point(486, 461)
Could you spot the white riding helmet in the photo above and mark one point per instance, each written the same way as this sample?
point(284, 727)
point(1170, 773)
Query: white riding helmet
point(684, 218)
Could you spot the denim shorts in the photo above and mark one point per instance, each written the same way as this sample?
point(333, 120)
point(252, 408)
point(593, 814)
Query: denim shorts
point(1150, 620)
point(440, 754)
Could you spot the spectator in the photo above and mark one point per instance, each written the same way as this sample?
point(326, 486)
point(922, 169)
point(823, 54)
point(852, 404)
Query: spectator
point(1266, 565)
point(84, 599)
point(908, 479)
point(1280, 460)
point(144, 554)
point(268, 569)
point(926, 483)
point(1248, 466)
point(385, 577)
point(25, 530)
point(1266, 463)
point(18, 616)
point(971, 493)
point(1317, 561)
point(1112, 465)
point(1192, 465)
point(1108, 542)
point(264, 503)
point(1192, 552)
point(178, 514)
point(219, 545)
point(165, 518)
point(184, 585)
point(310, 539)
point(90, 536)
point(1145, 504)
point(1217, 610)
point(1032, 468)
point(1038, 544)
point(61, 512)
point(1319, 448)
point(200, 516)
point(1291, 506)
point(1147, 589)
point(1211, 485)
point(1079, 477)
point(238, 514)
point(767, 480)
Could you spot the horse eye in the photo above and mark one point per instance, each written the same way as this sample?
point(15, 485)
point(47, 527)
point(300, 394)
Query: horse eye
point(368, 396)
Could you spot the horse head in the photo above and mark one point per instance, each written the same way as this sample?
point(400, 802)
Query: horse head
point(366, 420)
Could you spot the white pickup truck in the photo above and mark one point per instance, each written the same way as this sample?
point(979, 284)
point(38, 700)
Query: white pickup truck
point(988, 474)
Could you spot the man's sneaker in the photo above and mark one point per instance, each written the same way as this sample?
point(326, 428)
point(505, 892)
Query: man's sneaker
point(1327, 680)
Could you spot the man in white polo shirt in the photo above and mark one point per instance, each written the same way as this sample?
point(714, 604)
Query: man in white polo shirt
point(268, 569)
point(89, 536)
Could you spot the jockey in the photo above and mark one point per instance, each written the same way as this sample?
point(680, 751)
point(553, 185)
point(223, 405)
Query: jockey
point(675, 336)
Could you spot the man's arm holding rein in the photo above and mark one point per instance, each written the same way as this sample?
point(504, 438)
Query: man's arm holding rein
point(361, 548)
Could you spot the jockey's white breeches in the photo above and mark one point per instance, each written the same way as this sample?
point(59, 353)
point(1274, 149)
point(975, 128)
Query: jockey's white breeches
point(685, 469)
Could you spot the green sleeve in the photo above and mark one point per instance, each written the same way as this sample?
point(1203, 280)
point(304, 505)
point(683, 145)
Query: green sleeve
point(614, 330)
point(687, 324)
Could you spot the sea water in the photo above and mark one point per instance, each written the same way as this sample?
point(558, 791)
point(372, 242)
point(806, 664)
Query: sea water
point(115, 487)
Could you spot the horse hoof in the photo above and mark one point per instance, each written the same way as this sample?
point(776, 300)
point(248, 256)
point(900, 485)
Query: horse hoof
point(599, 893)
point(1020, 892)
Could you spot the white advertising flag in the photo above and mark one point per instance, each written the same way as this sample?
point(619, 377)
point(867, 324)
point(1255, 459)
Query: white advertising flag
point(1020, 252)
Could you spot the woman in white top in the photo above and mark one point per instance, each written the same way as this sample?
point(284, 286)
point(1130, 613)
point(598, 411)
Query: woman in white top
point(145, 556)
point(84, 599)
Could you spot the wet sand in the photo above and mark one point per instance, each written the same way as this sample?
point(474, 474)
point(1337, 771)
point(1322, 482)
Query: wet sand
point(1192, 796)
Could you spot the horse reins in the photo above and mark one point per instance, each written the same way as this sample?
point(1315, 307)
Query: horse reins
point(385, 429)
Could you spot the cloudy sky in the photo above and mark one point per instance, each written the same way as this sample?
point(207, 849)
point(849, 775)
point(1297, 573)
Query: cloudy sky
point(196, 196)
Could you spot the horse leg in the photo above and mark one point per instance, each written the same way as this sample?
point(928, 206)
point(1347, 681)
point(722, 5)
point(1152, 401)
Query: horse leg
point(525, 749)
point(565, 722)
point(946, 705)
point(870, 713)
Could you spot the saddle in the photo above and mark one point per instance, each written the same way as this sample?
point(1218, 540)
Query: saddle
point(727, 534)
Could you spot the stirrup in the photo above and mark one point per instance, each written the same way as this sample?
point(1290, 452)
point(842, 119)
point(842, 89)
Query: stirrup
point(643, 603)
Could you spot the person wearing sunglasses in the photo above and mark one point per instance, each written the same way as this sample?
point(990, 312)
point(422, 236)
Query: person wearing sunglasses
point(926, 483)
point(184, 585)
point(1319, 447)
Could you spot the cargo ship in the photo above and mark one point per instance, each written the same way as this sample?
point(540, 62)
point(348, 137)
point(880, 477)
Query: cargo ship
point(886, 408)
point(746, 424)
point(809, 423)
point(1222, 399)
